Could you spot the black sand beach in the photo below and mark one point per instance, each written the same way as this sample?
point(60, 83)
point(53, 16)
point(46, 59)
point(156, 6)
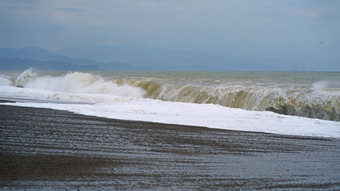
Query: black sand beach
point(49, 149)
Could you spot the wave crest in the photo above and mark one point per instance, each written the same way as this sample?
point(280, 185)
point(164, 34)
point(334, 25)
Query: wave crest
point(25, 77)
point(294, 101)
point(76, 82)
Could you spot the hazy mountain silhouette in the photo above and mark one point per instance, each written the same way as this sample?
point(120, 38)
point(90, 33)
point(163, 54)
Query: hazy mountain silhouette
point(23, 64)
point(18, 59)
point(33, 53)
point(165, 59)
point(130, 57)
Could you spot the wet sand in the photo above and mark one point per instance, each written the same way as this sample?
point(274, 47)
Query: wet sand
point(49, 149)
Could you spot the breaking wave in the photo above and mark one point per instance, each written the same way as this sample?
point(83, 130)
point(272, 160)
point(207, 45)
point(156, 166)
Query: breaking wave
point(26, 77)
point(312, 103)
point(320, 100)
point(76, 82)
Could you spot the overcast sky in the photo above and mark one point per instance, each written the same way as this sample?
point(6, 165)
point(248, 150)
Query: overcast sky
point(262, 28)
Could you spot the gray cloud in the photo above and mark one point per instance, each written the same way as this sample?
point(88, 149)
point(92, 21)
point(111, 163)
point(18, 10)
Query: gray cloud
point(263, 28)
point(71, 9)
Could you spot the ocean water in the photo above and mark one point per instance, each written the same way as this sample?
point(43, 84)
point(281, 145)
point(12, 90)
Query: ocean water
point(295, 103)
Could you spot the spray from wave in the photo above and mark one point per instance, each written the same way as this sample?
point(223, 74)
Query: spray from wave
point(25, 77)
point(76, 82)
point(332, 87)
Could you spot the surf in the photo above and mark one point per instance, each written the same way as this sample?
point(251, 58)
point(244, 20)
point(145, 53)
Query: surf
point(76, 82)
point(319, 99)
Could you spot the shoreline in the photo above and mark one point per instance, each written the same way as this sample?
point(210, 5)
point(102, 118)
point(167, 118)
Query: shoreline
point(51, 149)
point(152, 111)
point(145, 123)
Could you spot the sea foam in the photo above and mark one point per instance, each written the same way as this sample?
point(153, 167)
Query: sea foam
point(76, 82)
point(203, 115)
point(124, 100)
point(4, 81)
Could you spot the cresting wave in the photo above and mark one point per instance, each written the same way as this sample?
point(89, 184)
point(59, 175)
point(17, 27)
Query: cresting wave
point(299, 102)
point(76, 82)
point(322, 100)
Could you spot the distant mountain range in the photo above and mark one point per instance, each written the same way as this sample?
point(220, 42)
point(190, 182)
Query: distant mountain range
point(20, 59)
point(22, 64)
point(130, 57)
point(162, 59)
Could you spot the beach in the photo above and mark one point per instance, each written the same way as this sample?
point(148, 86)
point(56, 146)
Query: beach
point(169, 95)
point(50, 149)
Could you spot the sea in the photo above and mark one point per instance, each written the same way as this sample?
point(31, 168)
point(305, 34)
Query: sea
point(289, 103)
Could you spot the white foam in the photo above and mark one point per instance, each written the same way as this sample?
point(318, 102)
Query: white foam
point(206, 115)
point(4, 81)
point(25, 77)
point(76, 82)
point(327, 87)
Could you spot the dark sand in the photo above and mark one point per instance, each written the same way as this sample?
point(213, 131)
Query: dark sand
point(53, 150)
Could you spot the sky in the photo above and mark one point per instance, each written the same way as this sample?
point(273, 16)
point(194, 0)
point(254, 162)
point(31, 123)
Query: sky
point(307, 30)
